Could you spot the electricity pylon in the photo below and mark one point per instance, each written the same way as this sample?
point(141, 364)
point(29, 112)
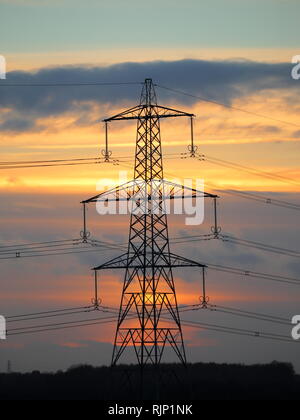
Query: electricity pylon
point(149, 319)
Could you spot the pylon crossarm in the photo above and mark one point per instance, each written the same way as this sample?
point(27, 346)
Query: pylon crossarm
point(119, 262)
point(141, 190)
point(171, 261)
point(178, 261)
point(163, 111)
point(131, 112)
point(181, 191)
point(127, 188)
point(148, 112)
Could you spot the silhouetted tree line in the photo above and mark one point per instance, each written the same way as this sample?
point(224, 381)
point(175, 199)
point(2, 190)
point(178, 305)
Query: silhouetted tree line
point(171, 382)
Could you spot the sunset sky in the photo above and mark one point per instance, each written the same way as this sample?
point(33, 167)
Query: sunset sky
point(235, 52)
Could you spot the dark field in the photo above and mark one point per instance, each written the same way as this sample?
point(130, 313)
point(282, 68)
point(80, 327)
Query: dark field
point(172, 382)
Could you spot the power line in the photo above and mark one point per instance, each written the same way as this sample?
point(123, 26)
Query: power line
point(205, 326)
point(60, 162)
point(250, 315)
point(254, 274)
point(23, 162)
point(38, 328)
point(54, 163)
point(247, 169)
point(34, 318)
point(249, 195)
point(49, 254)
point(57, 243)
point(40, 243)
point(234, 108)
point(177, 240)
point(244, 242)
point(32, 327)
point(67, 312)
point(103, 321)
point(263, 315)
point(72, 84)
point(53, 254)
point(230, 311)
point(39, 248)
point(258, 198)
point(182, 308)
point(13, 252)
point(243, 194)
point(50, 165)
point(52, 248)
point(239, 331)
point(45, 249)
point(260, 246)
point(193, 238)
point(55, 311)
point(67, 84)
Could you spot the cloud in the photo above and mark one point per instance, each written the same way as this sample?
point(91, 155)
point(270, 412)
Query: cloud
point(222, 81)
point(296, 134)
point(17, 125)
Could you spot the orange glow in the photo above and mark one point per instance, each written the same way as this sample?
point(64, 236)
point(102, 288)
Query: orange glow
point(220, 133)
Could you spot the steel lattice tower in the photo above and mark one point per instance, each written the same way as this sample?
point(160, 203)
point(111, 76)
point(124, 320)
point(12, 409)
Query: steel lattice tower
point(149, 294)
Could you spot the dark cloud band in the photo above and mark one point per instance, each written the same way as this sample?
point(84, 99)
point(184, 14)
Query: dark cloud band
point(221, 81)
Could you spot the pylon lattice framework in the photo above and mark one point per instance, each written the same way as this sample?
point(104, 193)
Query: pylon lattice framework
point(149, 292)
